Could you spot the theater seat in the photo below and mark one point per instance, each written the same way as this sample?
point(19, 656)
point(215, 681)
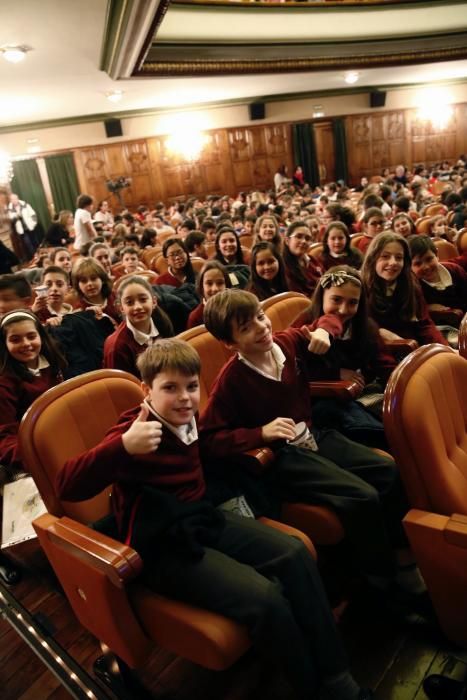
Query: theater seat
point(425, 418)
point(444, 249)
point(98, 573)
point(282, 309)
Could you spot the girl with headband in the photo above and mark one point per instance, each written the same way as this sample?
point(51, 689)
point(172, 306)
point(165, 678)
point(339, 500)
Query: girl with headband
point(30, 363)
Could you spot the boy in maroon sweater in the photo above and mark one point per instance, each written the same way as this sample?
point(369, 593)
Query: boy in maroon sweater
point(261, 397)
point(232, 565)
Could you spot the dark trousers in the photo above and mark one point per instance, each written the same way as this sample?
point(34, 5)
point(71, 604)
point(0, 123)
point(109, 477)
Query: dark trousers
point(268, 581)
point(361, 486)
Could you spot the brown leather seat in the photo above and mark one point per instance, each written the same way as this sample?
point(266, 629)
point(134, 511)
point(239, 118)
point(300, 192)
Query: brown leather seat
point(425, 417)
point(423, 224)
point(282, 309)
point(149, 275)
point(99, 574)
point(444, 249)
point(159, 264)
point(434, 209)
point(463, 338)
point(461, 241)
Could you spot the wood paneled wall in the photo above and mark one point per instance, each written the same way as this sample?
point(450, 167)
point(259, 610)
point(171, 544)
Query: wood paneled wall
point(246, 158)
point(232, 160)
point(385, 139)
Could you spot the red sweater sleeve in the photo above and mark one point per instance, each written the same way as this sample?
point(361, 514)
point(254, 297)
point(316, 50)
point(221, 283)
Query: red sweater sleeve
point(120, 351)
point(426, 329)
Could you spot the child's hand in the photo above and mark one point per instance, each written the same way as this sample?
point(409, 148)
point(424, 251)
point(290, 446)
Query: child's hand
point(143, 436)
point(278, 429)
point(54, 321)
point(319, 341)
point(40, 304)
point(98, 311)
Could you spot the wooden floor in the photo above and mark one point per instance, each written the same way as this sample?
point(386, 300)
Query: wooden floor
point(384, 655)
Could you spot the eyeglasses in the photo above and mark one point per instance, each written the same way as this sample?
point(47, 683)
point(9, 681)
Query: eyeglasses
point(176, 254)
point(302, 237)
point(376, 223)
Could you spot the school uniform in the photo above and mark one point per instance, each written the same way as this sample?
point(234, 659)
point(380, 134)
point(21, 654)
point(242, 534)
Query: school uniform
point(353, 258)
point(16, 395)
point(122, 348)
point(451, 288)
point(168, 278)
point(109, 307)
point(231, 565)
point(312, 272)
point(420, 328)
point(48, 312)
point(349, 478)
point(363, 243)
point(196, 317)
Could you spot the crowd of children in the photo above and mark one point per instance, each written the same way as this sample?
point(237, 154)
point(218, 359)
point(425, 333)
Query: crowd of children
point(131, 282)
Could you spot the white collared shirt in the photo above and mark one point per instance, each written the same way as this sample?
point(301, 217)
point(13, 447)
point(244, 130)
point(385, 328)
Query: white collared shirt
point(186, 433)
point(144, 338)
point(444, 278)
point(42, 364)
point(278, 357)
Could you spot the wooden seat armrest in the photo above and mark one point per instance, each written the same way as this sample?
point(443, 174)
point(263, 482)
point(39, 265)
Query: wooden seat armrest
point(343, 390)
point(449, 317)
point(258, 460)
point(116, 560)
point(402, 343)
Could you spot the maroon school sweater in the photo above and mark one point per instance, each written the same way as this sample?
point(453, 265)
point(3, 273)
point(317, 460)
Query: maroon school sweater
point(121, 350)
point(196, 317)
point(16, 395)
point(174, 468)
point(168, 278)
point(454, 296)
point(242, 400)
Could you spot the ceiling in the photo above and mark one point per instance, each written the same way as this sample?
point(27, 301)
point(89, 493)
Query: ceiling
point(62, 76)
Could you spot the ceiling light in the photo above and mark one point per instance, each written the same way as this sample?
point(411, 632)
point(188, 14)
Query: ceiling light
point(14, 54)
point(114, 95)
point(351, 77)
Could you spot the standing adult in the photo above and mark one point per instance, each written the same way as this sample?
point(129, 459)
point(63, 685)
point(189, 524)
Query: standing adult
point(8, 257)
point(24, 221)
point(281, 180)
point(84, 230)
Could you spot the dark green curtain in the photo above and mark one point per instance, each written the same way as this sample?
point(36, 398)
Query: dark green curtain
point(27, 184)
point(304, 148)
point(340, 148)
point(63, 181)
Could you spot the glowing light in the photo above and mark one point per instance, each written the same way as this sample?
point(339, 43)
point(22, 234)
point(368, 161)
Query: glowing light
point(433, 106)
point(14, 54)
point(351, 77)
point(185, 137)
point(114, 95)
point(6, 168)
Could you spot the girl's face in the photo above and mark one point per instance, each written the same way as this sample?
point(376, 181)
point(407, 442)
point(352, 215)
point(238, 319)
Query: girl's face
point(137, 305)
point(439, 227)
point(390, 262)
point(266, 265)
point(425, 267)
point(374, 226)
point(299, 241)
point(176, 256)
point(402, 226)
point(63, 260)
point(90, 285)
point(342, 301)
point(267, 230)
point(23, 342)
point(213, 283)
point(313, 225)
point(69, 221)
point(228, 244)
point(336, 241)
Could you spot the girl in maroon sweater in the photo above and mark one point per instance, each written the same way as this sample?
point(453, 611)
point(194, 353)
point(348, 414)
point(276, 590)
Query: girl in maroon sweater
point(302, 270)
point(30, 363)
point(337, 249)
point(395, 300)
point(94, 289)
point(144, 324)
point(267, 271)
point(180, 267)
point(213, 279)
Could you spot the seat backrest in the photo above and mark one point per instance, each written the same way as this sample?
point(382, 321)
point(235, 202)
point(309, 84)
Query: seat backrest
point(148, 275)
point(355, 238)
point(246, 240)
point(445, 249)
point(434, 209)
point(463, 338)
point(213, 356)
point(461, 241)
point(283, 308)
point(159, 264)
point(198, 263)
point(425, 419)
point(67, 420)
point(423, 224)
point(315, 249)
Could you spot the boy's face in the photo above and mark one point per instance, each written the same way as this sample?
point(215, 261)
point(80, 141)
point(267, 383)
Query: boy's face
point(254, 337)
point(211, 235)
point(57, 287)
point(10, 301)
point(130, 261)
point(425, 266)
point(174, 396)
